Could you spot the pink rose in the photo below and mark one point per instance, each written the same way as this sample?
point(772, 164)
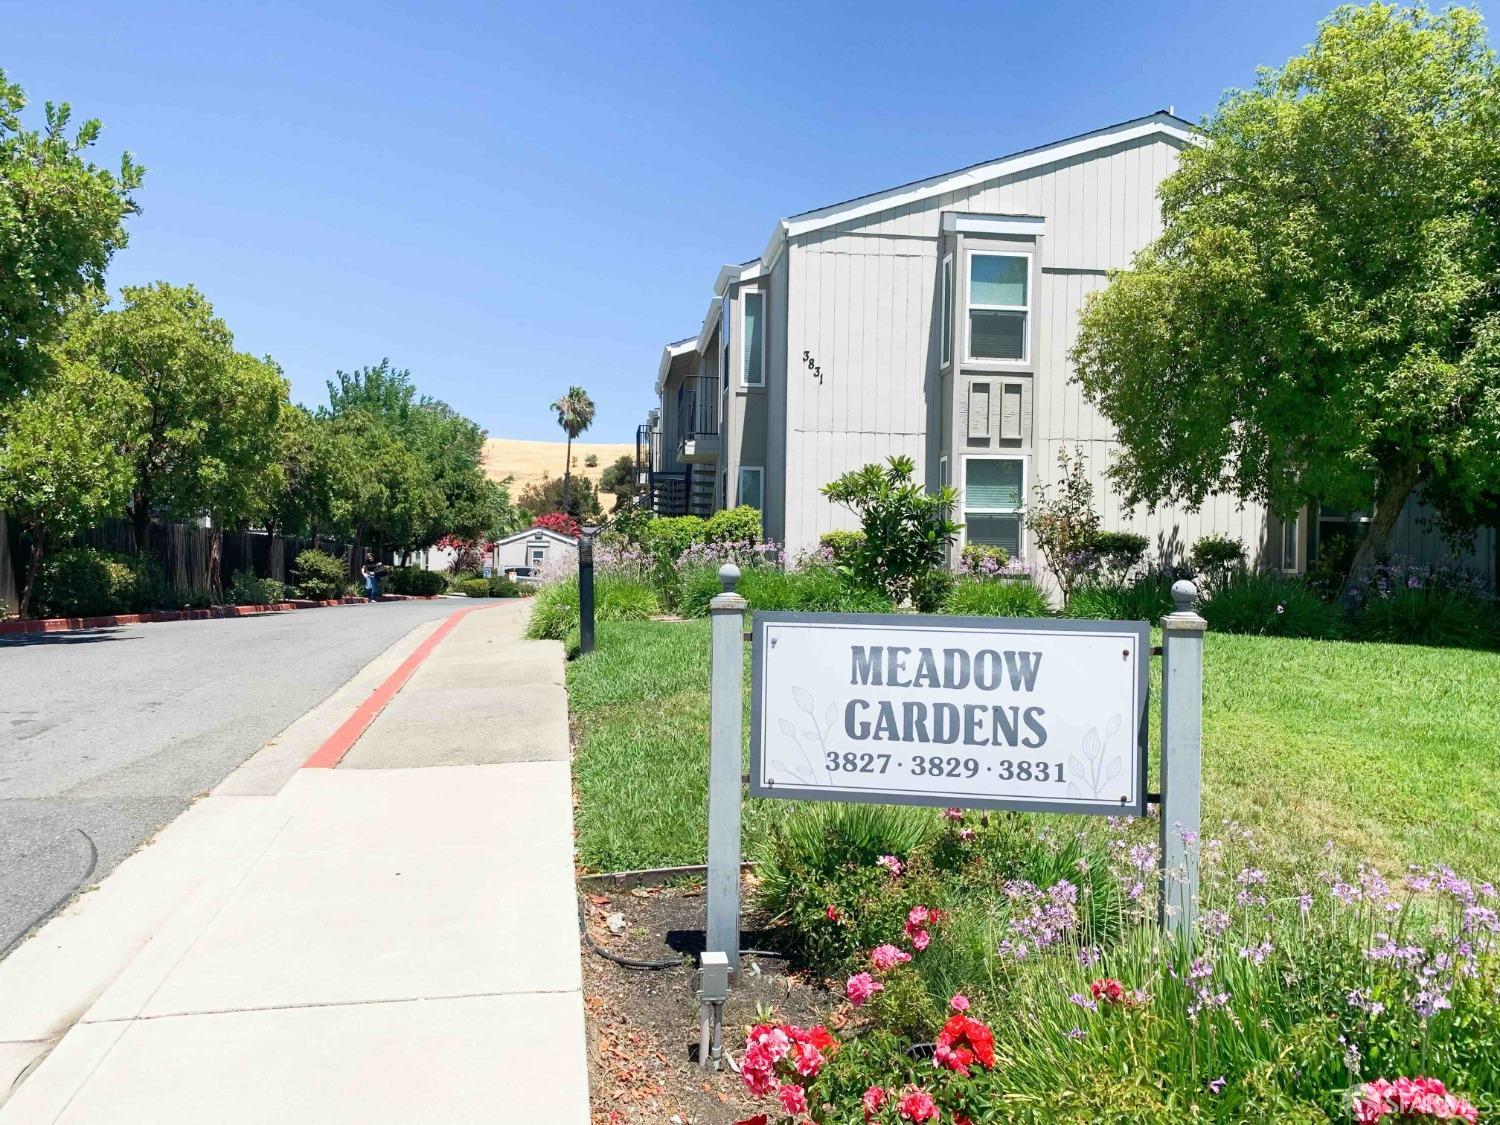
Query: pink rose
point(860, 987)
point(887, 957)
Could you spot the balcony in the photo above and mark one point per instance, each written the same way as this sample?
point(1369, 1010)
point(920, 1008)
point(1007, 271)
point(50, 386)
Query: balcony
point(698, 441)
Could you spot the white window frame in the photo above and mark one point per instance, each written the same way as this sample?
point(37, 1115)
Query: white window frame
point(1293, 525)
point(745, 296)
point(945, 307)
point(760, 476)
point(970, 305)
point(1020, 512)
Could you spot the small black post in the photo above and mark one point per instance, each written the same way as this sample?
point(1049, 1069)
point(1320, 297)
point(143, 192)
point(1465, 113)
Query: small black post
point(586, 590)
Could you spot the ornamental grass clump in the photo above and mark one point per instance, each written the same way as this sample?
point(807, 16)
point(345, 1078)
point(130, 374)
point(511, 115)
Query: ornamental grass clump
point(1306, 993)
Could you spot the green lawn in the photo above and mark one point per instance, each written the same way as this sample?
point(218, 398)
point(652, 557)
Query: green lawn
point(1390, 751)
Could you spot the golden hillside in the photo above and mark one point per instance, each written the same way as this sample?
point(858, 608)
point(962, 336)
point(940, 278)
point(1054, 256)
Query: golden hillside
point(529, 461)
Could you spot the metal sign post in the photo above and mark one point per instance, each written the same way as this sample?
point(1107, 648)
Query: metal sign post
point(1181, 760)
point(726, 727)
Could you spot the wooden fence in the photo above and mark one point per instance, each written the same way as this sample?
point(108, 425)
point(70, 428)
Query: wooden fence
point(184, 550)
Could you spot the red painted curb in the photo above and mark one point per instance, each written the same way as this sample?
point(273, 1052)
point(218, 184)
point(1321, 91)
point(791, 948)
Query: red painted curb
point(67, 624)
point(337, 744)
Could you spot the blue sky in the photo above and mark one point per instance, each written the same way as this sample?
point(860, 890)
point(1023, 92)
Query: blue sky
point(511, 198)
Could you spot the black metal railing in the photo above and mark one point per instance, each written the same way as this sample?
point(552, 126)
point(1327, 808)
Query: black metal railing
point(698, 407)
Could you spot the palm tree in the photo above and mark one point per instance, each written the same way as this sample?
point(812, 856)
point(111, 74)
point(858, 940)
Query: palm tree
point(575, 413)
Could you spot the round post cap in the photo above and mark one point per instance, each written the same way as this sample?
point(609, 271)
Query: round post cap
point(729, 576)
point(1184, 595)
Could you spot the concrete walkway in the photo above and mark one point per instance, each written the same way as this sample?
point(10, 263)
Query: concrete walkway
point(392, 940)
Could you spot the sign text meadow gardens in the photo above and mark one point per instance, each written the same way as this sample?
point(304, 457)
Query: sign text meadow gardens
point(1036, 715)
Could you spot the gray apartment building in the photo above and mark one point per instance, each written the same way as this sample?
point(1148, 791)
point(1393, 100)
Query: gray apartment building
point(934, 320)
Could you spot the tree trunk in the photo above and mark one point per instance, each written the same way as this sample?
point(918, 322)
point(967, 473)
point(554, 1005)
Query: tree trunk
point(31, 572)
point(140, 522)
point(216, 559)
point(567, 473)
point(1395, 490)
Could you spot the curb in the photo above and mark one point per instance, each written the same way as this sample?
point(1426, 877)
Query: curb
point(68, 624)
point(341, 741)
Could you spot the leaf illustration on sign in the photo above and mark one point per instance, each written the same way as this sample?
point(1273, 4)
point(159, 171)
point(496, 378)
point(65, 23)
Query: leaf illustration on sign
point(1097, 769)
point(816, 734)
point(799, 774)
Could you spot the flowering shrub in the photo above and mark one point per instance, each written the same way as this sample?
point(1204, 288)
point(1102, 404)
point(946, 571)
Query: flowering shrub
point(1410, 1099)
point(1300, 987)
point(560, 522)
point(784, 1060)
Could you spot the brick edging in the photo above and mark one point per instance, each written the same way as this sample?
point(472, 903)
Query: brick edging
point(67, 624)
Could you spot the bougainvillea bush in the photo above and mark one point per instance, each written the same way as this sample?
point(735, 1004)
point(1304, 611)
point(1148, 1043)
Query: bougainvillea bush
point(1001, 971)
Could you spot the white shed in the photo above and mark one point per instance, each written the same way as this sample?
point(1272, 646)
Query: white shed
point(534, 550)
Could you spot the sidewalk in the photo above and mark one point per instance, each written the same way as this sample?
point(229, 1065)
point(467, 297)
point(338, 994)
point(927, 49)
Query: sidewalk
point(391, 940)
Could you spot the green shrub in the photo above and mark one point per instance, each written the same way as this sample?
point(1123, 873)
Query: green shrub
point(1148, 598)
point(504, 587)
point(555, 613)
point(930, 590)
point(842, 545)
point(668, 537)
point(1118, 552)
point(980, 597)
point(247, 589)
point(627, 524)
point(813, 589)
point(84, 582)
point(474, 588)
point(1270, 605)
point(188, 597)
point(1214, 556)
point(414, 580)
point(320, 576)
point(906, 528)
point(733, 525)
point(458, 577)
point(1429, 615)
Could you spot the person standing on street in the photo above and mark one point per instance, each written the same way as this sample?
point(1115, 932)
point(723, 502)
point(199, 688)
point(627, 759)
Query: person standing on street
point(371, 573)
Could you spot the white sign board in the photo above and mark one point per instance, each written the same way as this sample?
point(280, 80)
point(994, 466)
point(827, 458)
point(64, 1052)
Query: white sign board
point(1037, 715)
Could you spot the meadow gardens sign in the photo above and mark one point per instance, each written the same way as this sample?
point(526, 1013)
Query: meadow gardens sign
point(1032, 715)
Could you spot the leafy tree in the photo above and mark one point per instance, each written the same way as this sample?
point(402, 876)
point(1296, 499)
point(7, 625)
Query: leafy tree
point(618, 479)
point(384, 495)
point(462, 501)
point(303, 501)
point(1319, 320)
point(381, 391)
point(591, 461)
point(548, 496)
point(201, 429)
point(906, 528)
point(575, 413)
point(61, 220)
point(61, 468)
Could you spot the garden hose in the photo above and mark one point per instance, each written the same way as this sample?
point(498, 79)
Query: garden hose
point(634, 963)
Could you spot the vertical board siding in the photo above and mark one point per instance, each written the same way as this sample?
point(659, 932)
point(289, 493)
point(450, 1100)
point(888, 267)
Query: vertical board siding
point(860, 296)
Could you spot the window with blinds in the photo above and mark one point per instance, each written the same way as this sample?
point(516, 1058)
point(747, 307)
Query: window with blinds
point(999, 305)
point(753, 345)
point(994, 492)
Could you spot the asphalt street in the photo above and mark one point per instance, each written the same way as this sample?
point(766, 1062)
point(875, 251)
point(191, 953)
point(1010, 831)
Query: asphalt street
point(107, 735)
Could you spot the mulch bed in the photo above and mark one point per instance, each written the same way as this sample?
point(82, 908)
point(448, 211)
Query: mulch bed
point(643, 1024)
